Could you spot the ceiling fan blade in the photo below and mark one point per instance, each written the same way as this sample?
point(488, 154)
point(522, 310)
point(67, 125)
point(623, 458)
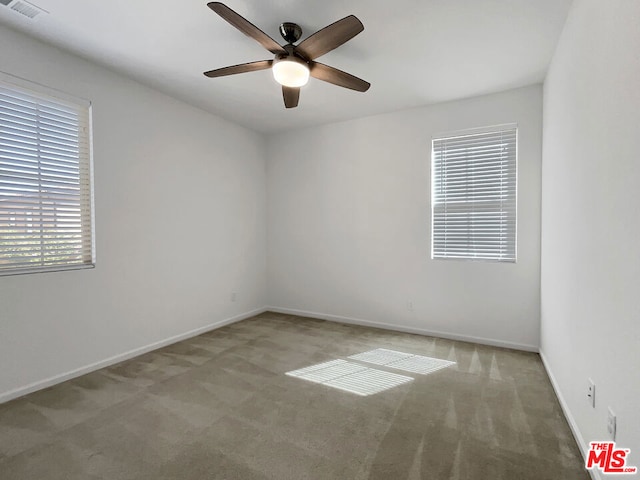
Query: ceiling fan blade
point(246, 27)
point(242, 68)
point(337, 77)
point(291, 96)
point(330, 37)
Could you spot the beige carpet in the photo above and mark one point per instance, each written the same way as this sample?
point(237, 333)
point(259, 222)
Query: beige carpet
point(221, 406)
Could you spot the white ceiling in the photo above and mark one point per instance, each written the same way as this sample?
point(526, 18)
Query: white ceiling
point(414, 52)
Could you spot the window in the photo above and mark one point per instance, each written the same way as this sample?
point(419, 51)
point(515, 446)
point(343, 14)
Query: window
point(45, 180)
point(473, 192)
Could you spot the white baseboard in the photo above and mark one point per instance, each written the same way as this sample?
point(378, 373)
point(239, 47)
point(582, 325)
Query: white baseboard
point(582, 445)
point(63, 377)
point(404, 328)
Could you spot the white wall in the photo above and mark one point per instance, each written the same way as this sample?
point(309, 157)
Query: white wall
point(180, 224)
point(591, 225)
point(349, 225)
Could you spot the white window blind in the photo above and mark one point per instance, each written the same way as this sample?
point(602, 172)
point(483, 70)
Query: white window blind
point(45, 181)
point(474, 194)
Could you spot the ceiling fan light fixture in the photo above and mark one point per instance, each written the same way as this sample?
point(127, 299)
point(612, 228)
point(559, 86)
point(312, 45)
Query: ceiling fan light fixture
point(293, 64)
point(291, 72)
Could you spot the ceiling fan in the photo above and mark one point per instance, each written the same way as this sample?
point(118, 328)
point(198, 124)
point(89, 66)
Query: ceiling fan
point(293, 64)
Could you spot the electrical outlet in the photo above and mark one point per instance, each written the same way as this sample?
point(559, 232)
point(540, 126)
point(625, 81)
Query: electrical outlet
point(591, 393)
point(611, 424)
point(410, 306)
point(234, 296)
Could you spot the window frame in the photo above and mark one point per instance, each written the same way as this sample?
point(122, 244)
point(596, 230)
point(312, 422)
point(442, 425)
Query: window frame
point(51, 94)
point(493, 129)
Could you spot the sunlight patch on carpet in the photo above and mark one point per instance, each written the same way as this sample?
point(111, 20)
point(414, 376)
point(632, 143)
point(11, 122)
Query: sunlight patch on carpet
point(350, 377)
point(402, 361)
